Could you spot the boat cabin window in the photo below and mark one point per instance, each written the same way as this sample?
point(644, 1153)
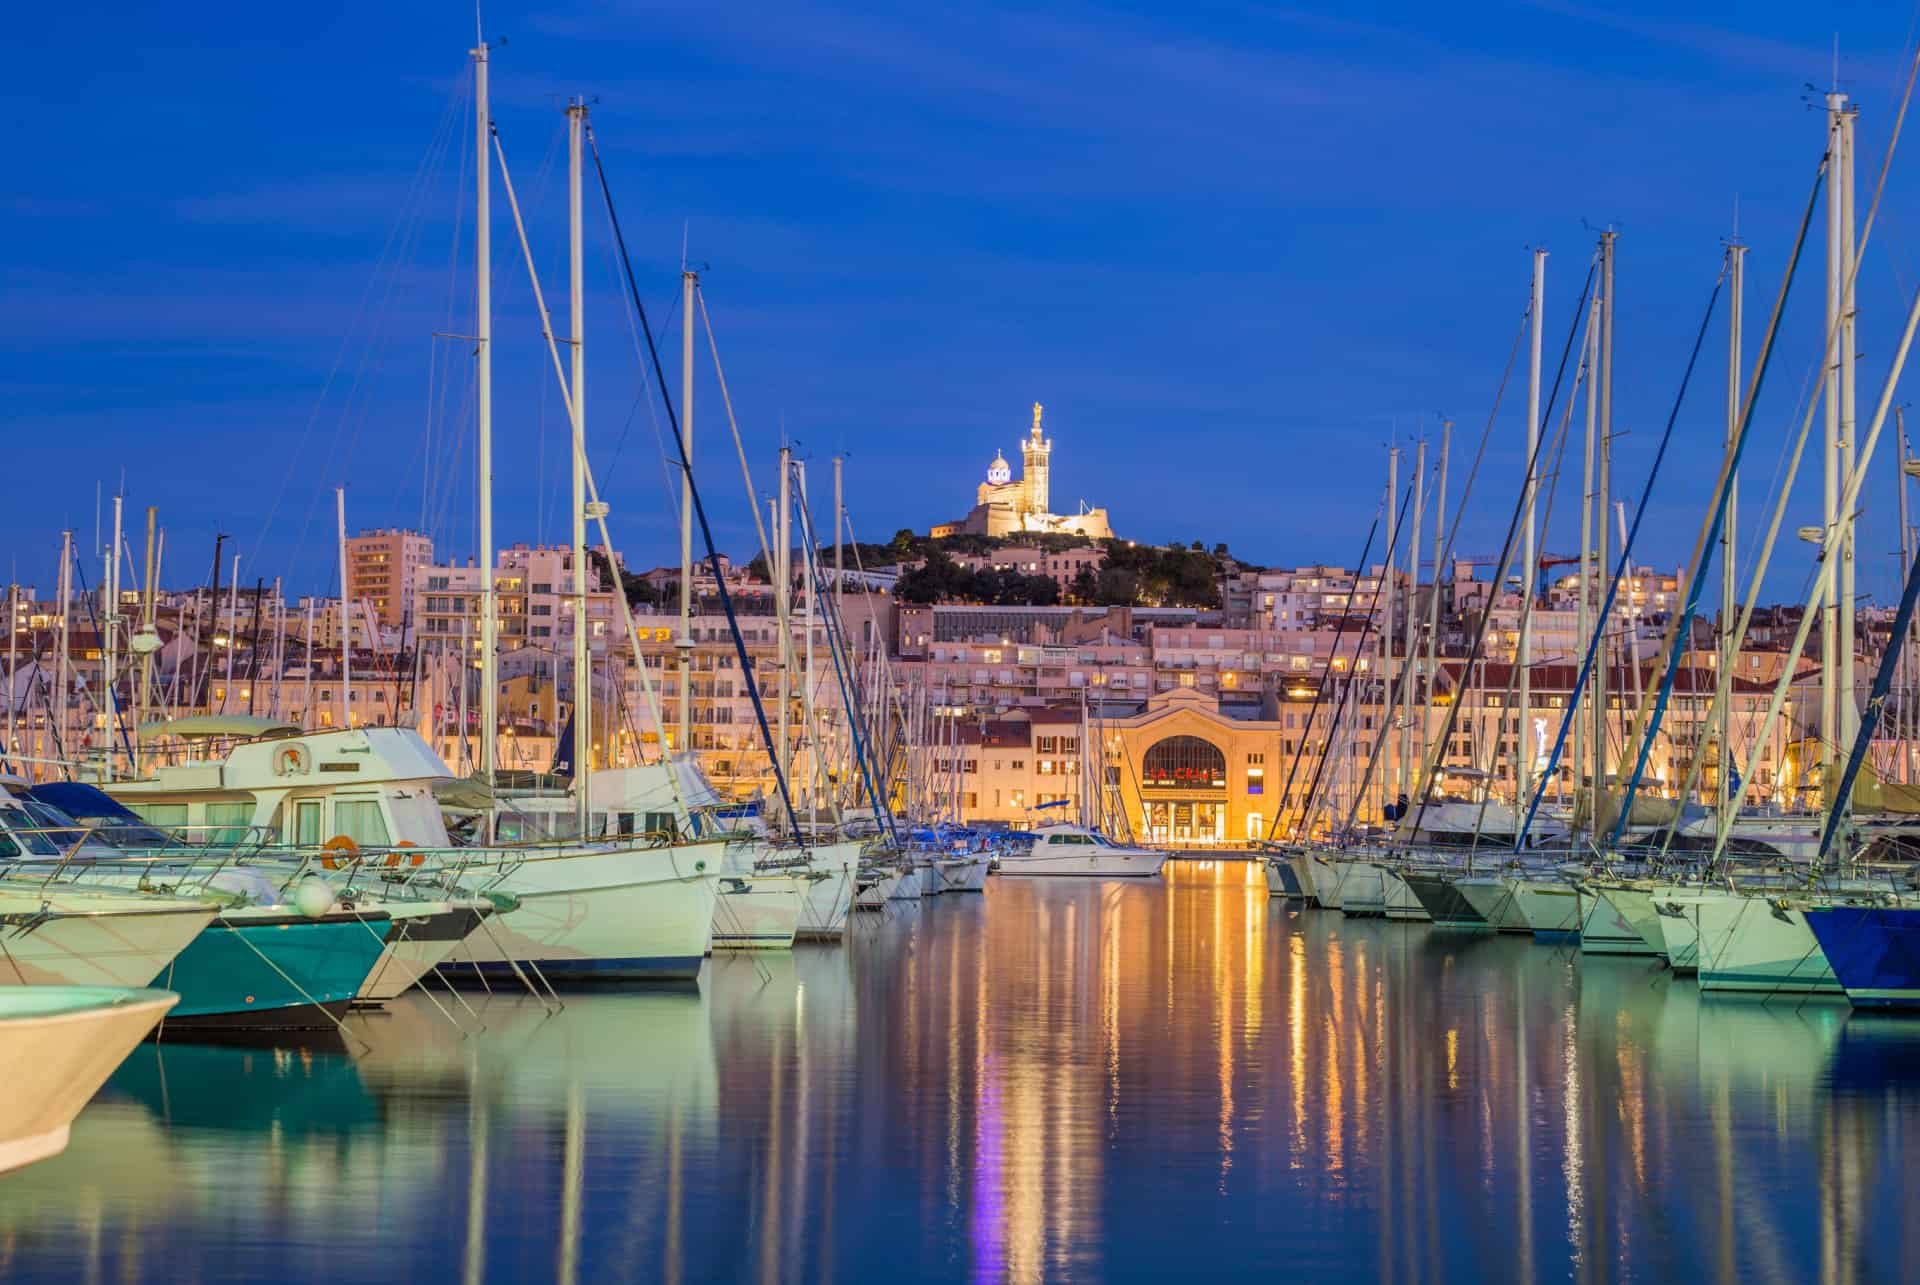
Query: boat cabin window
point(533, 827)
point(623, 822)
point(169, 816)
point(227, 823)
point(661, 823)
point(306, 821)
point(360, 820)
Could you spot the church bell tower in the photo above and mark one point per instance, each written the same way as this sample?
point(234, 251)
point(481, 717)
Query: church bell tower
point(1035, 454)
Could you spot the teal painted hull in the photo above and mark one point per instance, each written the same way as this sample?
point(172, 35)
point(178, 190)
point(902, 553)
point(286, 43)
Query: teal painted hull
point(276, 971)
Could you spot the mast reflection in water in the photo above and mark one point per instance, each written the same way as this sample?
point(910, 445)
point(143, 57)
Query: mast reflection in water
point(1124, 1080)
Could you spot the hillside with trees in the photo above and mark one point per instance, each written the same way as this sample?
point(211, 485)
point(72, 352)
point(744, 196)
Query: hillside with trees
point(1133, 574)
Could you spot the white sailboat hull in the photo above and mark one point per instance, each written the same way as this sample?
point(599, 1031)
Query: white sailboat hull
point(828, 901)
point(91, 938)
point(1679, 927)
point(1400, 900)
point(877, 895)
point(1551, 907)
point(1752, 943)
point(1328, 886)
point(1493, 896)
point(1276, 887)
point(758, 912)
point(601, 913)
point(423, 934)
point(1363, 891)
point(1613, 922)
point(963, 874)
point(1305, 870)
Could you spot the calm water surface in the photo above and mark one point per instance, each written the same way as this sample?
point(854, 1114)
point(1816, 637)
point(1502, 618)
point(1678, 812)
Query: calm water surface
point(1117, 1081)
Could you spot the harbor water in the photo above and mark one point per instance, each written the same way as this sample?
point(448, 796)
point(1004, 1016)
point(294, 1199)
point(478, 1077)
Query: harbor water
point(1162, 1079)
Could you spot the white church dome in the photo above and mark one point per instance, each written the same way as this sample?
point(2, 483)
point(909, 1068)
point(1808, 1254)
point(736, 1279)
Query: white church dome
point(999, 472)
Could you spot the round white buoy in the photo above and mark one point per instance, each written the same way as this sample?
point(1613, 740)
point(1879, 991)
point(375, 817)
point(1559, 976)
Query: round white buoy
point(314, 897)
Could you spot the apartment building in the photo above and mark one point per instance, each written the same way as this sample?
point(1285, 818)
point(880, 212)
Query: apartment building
point(534, 587)
point(381, 565)
point(1062, 567)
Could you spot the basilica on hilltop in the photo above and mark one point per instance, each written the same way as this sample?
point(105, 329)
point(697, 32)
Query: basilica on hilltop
point(1006, 507)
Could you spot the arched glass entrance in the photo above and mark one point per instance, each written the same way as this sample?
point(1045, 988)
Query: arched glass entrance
point(1183, 787)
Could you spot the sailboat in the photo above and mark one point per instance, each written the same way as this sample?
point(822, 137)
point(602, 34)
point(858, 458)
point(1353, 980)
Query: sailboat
point(615, 908)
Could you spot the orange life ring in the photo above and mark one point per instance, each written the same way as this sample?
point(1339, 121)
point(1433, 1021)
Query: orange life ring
point(396, 857)
point(340, 850)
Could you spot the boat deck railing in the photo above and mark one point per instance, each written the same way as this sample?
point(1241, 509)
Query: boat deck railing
point(185, 860)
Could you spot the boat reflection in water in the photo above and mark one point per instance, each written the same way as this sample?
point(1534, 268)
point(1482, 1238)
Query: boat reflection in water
point(1170, 1079)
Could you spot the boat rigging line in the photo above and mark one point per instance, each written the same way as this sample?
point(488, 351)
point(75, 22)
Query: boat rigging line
point(1326, 675)
point(1528, 488)
point(693, 492)
point(1346, 691)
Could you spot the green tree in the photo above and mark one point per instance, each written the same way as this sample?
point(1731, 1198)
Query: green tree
point(636, 590)
point(1118, 586)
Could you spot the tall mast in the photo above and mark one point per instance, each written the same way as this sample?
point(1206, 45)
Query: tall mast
point(685, 645)
point(811, 728)
point(110, 622)
point(1386, 616)
point(483, 350)
point(783, 617)
point(346, 611)
point(1635, 614)
point(280, 644)
point(582, 657)
point(233, 616)
point(1603, 479)
point(63, 671)
point(13, 668)
point(306, 686)
point(1529, 555)
point(1433, 603)
point(1584, 624)
point(464, 669)
point(1409, 667)
point(1729, 593)
point(1847, 723)
point(1831, 482)
point(1905, 728)
point(145, 640)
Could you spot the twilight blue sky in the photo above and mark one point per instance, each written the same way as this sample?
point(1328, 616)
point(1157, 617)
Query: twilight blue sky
point(1234, 249)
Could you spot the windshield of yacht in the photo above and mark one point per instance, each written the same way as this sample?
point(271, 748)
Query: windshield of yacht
point(23, 832)
point(65, 829)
